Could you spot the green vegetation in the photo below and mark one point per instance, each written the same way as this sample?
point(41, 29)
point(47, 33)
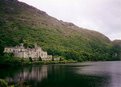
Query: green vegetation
point(3, 83)
point(20, 22)
point(8, 60)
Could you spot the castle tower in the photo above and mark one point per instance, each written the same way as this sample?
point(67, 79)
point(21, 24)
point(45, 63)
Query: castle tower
point(35, 45)
point(22, 45)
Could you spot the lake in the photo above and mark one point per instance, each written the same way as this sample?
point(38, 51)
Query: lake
point(89, 74)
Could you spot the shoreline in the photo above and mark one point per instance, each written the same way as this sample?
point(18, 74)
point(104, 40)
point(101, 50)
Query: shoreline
point(26, 63)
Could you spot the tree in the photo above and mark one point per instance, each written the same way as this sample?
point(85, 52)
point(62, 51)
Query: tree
point(30, 59)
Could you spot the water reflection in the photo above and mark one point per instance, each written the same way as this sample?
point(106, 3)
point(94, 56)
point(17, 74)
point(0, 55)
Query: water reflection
point(110, 70)
point(96, 74)
point(29, 73)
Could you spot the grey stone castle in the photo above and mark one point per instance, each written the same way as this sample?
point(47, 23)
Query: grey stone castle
point(35, 53)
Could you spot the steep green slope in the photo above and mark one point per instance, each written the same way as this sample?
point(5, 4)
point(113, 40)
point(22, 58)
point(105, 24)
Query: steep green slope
point(20, 22)
point(116, 49)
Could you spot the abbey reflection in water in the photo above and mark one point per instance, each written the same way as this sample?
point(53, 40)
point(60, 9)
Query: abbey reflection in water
point(30, 73)
point(52, 76)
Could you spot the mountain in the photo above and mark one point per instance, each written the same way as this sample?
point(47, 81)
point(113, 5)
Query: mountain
point(20, 22)
point(117, 42)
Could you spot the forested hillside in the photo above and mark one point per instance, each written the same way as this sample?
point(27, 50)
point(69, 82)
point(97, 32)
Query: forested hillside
point(21, 23)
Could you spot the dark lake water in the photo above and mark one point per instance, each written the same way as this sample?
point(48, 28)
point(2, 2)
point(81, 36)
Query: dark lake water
point(90, 74)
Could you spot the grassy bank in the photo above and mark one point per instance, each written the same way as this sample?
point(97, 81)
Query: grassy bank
point(7, 61)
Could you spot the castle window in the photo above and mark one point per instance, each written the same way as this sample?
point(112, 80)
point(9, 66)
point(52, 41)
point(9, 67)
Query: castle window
point(14, 51)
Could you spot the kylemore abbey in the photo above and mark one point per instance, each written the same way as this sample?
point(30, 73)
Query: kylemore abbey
point(35, 53)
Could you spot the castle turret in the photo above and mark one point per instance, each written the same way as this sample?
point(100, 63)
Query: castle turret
point(22, 45)
point(35, 45)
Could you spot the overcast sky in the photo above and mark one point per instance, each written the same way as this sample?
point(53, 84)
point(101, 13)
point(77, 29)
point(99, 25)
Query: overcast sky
point(100, 15)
